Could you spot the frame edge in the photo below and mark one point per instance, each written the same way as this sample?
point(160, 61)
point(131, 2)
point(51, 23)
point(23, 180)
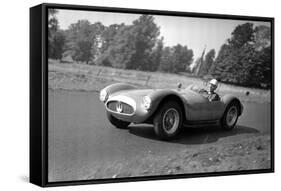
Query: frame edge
point(36, 150)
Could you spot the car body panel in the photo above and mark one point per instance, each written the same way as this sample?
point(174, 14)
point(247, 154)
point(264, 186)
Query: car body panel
point(140, 113)
point(196, 106)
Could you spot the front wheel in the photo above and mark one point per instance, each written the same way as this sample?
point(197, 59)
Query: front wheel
point(230, 116)
point(168, 120)
point(117, 122)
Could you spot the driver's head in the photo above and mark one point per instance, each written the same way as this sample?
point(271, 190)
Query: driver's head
point(213, 84)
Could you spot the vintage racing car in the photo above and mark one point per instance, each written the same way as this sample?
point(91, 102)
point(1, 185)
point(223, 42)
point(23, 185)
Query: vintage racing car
point(167, 109)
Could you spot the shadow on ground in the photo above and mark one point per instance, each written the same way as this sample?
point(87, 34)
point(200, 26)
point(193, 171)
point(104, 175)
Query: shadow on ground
point(198, 135)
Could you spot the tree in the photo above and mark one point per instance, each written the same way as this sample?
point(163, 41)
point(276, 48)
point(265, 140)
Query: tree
point(145, 32)
point(119, 53)
point(155, 57)
point(219, 63)
point(83, 40)
point(57, 45)
point(195, 67)
point(166, 60)
point(246, 57)
point(262, 37)
point(241, 35)
point(108, 35)
point(207, 62)
point(130, 46)
point(176, 59)
point(55, 37)
point(52, 22)
point(231, 64)
point(266, 60)
point(261, 73)
point(183, 57)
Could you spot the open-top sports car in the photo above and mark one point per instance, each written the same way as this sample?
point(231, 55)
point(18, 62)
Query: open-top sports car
point(168, 109)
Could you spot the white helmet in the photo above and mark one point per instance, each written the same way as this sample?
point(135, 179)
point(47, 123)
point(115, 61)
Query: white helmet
point(214, 82)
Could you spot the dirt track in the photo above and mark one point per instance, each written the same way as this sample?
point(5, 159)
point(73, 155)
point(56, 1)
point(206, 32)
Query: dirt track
point(84, 145)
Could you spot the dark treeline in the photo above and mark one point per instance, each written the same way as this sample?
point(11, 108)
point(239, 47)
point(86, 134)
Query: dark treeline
point(244, 59)
point(137, 46)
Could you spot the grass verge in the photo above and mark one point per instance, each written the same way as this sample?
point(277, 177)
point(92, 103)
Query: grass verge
point(248, 152)
point(94, 78)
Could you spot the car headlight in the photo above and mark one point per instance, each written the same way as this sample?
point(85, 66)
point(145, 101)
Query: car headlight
point(146, 102)
point(103, 95)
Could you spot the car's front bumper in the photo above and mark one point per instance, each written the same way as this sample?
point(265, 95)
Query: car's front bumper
point(127, 109)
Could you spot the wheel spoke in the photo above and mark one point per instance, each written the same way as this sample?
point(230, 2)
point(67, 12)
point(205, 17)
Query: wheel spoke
point(232, 115)
point(170, 120)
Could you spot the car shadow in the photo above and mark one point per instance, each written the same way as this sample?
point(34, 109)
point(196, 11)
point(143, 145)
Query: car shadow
point(193, 135)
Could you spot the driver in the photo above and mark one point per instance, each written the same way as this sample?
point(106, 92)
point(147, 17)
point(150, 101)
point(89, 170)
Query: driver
point(211, 94)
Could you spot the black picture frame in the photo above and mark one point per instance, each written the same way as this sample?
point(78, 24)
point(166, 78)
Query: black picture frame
point(39, 93)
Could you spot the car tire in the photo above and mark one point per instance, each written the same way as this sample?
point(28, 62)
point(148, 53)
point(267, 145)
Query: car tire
point(117, 122)
point(230, 116)
point(168, 120)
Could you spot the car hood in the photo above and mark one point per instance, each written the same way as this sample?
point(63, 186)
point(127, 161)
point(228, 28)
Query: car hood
point(134, 93)
point(140, 93)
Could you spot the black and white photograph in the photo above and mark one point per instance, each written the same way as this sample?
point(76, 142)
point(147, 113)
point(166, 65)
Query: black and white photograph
point(146, 95)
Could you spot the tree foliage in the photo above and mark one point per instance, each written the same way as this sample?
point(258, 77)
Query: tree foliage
point(119, 53)
point(156, 54)
point(130, 46)
point(246, 57)
point(176, 59)
point(52, 22)
point(57, 47)
point(242, 35)
point(56, 37)
point(108, 36)
point(262, 37)
point(207, 62)
point(146, 33)
point(83, 40)
point(183, 57)
point(166, 60)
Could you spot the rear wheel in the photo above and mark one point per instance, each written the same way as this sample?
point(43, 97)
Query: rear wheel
point(230, 116)
point(168, 120)
point(117, 122)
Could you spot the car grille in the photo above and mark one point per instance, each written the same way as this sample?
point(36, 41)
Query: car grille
point(126, 108)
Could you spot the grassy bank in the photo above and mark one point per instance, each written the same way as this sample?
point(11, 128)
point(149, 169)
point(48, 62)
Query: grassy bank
point(94, 78)
point(246, 152)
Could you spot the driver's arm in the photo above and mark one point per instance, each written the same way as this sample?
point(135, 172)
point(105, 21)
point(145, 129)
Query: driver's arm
point(214, 97)
point(203, 91)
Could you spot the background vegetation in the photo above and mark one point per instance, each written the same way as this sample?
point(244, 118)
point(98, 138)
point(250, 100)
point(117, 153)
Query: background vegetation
point(244, 59)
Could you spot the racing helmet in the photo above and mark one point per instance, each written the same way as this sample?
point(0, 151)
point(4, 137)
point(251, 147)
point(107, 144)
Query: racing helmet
point(214, 82)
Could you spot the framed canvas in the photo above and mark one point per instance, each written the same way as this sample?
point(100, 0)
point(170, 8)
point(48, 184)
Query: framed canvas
point(128, 94)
